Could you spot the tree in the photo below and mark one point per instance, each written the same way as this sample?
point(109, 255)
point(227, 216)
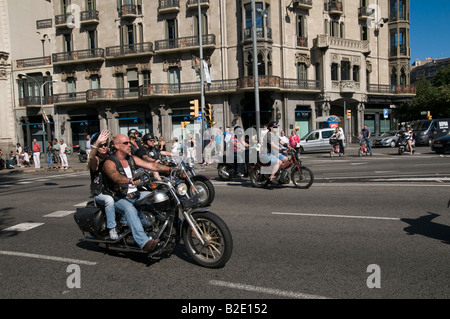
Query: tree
point(431, 96)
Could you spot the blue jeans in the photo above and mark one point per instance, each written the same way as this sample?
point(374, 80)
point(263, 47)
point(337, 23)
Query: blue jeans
point(369, 145)
point(50, 160)
point(108, 202)
point(125, 206)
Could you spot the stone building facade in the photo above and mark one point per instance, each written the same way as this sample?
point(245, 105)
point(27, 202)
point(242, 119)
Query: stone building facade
point(132, 64)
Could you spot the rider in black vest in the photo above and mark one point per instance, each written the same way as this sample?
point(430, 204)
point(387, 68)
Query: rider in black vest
point(119, 169)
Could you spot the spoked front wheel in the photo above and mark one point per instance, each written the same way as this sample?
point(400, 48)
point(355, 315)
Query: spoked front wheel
point(218, 243)
point(302, 179)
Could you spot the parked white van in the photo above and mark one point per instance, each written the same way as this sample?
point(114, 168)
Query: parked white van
point(318, 140)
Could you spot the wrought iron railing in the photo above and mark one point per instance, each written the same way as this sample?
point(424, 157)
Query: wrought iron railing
point(128, 49)
point(96, 53)
point(178, 43)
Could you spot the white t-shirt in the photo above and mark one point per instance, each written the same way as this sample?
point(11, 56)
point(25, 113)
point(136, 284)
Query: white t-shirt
point(131, 187)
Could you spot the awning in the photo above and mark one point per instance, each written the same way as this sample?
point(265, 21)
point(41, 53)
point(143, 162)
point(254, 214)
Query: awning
point(329, 119)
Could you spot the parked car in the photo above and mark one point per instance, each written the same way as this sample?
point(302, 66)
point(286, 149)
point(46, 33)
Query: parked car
point(387, 139)
point(441, 144)
point(428, 130)
point(318, 141)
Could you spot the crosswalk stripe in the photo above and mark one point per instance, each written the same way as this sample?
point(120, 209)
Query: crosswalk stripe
point(60, 213)
point(23, 226)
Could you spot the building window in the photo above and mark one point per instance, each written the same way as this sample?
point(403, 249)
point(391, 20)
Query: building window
point(356, 72)
point(133, 80)
point(90, 5)
point(67, 39)
point(146, 78)
point(394, 77)
point(119, 81)
point(71, 86)
point(204, 24)
point(345, 71)
point(95, 82)
point(262, 30)
point(334, 72)
point(92, 39)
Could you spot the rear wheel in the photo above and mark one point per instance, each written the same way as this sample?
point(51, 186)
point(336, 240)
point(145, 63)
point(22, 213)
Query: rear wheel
point(302, 179)
point(218, 242)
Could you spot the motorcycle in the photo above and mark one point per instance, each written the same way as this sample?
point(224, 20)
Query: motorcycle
point(206, 236)
point(403, 146)
point(226, 170)
point(199, 185)
point(82, 155)
point(301, 176)
point(363, 149)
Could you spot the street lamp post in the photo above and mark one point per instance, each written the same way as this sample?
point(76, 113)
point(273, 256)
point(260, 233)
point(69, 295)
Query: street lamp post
point(41, 96)
point(255, 70)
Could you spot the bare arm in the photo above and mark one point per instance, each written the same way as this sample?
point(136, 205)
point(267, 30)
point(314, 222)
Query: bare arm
point(151, 166)
point(109, 168)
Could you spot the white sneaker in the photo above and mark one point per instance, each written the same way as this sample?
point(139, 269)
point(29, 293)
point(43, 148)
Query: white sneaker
point(113, 234)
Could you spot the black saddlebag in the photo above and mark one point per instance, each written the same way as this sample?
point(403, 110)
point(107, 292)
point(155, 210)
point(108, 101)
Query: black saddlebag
point(91, 220)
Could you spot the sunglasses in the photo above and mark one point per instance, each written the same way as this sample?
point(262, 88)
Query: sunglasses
point(126, 143)
point(103, 145)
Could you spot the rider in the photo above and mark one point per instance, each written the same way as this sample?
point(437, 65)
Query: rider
point(409, 138)
point(271, 145)
point(97, 156)
point(365, 135)
point(119, 182)
point(239, 149)
point(339, 135)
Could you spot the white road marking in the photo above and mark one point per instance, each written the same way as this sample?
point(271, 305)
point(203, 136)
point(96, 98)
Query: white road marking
point(270, 291)
point(23, 227)
point(336, 216)
point(83, 204)
point(53, 258)
point(60, 213)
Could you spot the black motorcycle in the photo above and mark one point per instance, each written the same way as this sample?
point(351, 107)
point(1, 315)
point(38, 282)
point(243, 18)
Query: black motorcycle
point(205, 235)
point(82, 155)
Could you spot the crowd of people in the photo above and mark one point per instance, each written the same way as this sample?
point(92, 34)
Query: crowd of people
point(56, 156)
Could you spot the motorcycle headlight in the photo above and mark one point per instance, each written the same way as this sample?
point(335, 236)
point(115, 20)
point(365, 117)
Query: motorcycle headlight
point(182, 189)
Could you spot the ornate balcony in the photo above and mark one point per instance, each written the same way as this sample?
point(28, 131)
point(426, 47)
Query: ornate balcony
point(324, 42)
point(31, 62)
point(335, 7)
point(302, 4)
point(391, 89)
point(89, 17)
point(169, 6)
point(185, 44)
point(69, 98)
point(129, 11)
point(80, 56)
point(365, 13)
point(193, 4)
point(129, 50)
point(112, 94)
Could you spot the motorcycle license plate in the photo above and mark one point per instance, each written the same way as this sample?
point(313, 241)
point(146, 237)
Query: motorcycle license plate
point(190, 202)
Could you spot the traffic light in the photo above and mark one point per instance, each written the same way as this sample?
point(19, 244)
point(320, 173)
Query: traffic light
point(194, 107)
point(349, 114)
point(208, 112)
point(184, 124)
point(429, 115)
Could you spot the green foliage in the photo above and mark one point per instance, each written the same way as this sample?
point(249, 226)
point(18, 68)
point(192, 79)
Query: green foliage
point(430, 96)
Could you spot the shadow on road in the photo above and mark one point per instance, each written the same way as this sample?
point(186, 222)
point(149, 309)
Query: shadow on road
point(425, 226)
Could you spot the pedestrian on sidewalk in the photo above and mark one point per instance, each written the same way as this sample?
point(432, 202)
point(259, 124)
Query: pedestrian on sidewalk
point(56, 150)
point(62, 154)
point(49, 151)
point(36, 154)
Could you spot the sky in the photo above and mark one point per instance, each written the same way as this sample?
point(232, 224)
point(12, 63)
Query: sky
point(430, 29)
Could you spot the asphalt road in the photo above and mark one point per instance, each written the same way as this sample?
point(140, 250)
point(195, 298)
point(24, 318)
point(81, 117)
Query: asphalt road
point(380, 221)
